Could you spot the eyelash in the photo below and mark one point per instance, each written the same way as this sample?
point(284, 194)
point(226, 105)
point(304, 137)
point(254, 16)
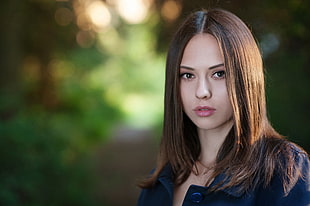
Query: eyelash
point(185, 76)
point(222, 74)
point(189, 76)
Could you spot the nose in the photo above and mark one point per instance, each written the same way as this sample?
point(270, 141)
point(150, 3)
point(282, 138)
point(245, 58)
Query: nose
point(203, 90)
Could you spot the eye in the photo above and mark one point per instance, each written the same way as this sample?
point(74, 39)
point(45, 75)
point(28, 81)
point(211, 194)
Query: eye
point(218, 75)
point(186, 76)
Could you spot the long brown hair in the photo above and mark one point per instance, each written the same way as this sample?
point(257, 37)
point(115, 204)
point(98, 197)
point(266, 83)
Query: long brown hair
point(250, 153)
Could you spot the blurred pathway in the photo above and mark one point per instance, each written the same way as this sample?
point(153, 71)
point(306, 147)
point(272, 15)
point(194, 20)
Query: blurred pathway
point(128, 156)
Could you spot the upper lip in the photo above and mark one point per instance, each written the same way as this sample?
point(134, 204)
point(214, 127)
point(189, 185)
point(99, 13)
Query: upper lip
point(199, 108)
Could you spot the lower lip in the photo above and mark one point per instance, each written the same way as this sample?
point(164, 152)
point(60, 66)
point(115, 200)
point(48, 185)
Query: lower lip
point(204, 113)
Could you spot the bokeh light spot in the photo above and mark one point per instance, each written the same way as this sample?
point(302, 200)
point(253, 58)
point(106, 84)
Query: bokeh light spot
point(133, 11)
point(63, 16)
point(85, 39)
point(99, 14)
point(171, 10)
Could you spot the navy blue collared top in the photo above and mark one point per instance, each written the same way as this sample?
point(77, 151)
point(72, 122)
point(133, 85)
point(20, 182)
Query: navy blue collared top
point(273, 195)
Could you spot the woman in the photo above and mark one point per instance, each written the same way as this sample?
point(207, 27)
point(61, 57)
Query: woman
point(218, 147)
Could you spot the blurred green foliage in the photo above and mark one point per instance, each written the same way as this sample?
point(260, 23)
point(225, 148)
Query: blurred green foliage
point(65, 84)
point(41, 164)
point(45, 154)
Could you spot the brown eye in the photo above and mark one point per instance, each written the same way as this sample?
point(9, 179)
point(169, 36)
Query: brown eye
point(219, 75)
point(187, 76)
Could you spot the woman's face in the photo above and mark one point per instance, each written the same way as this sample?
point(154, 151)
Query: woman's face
point(203, 86)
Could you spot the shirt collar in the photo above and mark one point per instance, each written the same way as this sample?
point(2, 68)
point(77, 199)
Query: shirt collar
point(165, 177)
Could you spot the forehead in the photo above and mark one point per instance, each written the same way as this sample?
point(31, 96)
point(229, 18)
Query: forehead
point(202, 51)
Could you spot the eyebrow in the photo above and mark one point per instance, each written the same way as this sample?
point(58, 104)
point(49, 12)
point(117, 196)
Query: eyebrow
point(212, 67)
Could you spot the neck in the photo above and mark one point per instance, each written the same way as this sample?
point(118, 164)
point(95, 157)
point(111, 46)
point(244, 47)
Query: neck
point(211, 141)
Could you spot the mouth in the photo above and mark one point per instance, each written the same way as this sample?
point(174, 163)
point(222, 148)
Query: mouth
point(204, 111)
point(203, 108)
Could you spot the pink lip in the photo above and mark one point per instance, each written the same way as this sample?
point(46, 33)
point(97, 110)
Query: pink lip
point(204, 111)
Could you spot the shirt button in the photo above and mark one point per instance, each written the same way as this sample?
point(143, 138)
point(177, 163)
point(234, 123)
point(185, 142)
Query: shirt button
point(196, 197)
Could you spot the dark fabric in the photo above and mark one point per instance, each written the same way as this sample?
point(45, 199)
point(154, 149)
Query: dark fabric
point(273, 195)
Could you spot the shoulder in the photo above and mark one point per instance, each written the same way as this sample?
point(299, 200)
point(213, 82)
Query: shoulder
point(285, 151)
point(290, 184)
point(291, 161)
point(292, 158)
point(282, 156)
point(294, 167)
point(300, 156)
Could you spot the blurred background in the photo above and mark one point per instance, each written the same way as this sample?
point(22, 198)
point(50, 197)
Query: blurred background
point(81, 90)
